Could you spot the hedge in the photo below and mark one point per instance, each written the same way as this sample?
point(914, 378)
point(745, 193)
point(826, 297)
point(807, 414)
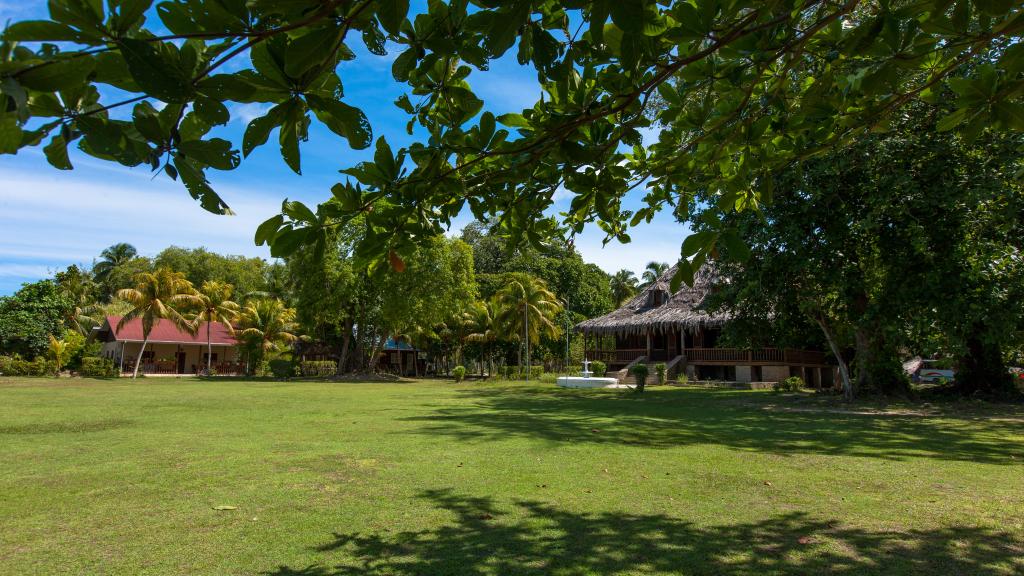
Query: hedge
point(17, 366)
point(281, 368)
point(318, 368)
point(97, 367)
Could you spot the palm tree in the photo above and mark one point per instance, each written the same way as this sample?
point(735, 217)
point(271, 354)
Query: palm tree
point(77, 284)
point(482, 331)
point(215, 305)
point(267, 324)
point(111, 258)
point(623, 285)
point(58, 350)
point(652, 272)
point(527, 310)
point(160, 295)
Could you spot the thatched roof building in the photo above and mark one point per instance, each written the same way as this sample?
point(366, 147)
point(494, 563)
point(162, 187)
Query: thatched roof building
point(656, 309)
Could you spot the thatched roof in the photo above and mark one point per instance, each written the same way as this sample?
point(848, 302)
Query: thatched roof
point(649, 310)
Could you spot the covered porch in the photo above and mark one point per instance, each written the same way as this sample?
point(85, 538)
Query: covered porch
point(174, 359)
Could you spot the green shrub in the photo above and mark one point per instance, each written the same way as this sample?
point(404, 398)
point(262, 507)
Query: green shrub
point(662, 371)
point(97, 367)
point(315, 368)
point(278, 368)
point(459, 372)
point(791, 384)
point(17, 366)
point(598, 368)
point(640, 372)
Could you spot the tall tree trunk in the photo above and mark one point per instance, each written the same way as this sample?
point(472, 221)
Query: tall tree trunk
point(345, 340)
point(844, 372)
point(864, 358)
point(138, 359)
point(209, 349)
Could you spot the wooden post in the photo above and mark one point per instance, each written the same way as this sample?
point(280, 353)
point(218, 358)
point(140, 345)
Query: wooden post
point(648, 345)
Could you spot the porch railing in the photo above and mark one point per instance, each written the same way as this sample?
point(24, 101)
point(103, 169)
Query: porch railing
point(620, 356)
point(716, 355)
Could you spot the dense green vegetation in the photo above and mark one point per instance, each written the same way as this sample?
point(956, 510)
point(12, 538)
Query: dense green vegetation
point(908, 240)
point(436, 478)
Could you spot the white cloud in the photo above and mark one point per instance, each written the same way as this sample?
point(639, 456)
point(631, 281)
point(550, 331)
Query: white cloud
point(51, 219)
point(246, 113)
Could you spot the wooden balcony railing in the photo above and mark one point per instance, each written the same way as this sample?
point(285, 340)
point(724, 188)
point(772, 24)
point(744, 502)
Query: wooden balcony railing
point(715, 355)
point(621, 356)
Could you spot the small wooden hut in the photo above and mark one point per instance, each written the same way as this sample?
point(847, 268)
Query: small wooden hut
point(661, 326)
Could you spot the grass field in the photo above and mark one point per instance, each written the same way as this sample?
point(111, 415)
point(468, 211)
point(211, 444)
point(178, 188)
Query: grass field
point(111, 477)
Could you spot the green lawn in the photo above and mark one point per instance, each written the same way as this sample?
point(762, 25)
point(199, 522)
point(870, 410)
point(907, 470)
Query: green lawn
point(437, 478)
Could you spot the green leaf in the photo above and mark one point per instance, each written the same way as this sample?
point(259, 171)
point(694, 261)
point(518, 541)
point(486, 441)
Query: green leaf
point(310, 50)
point(391, 13)
point(10, 135)
point(403, 65)
point(952, 120)
point(258, 131)
point(504, 26)
point(130, 12)
point(57, 153)
point(268, 229)
point(628, 15)
point(42, 31)
point(385, 159)
point(213, 112)
point(155, 70)
point(293, 126)
point(215, 153)
point(198, 187)
point(344, 120)
point(514, 120)
point(737, 248)
point(58, 75)
point(349, 197)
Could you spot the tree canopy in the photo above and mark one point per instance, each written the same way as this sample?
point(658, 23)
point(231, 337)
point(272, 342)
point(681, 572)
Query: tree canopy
point(749, 87)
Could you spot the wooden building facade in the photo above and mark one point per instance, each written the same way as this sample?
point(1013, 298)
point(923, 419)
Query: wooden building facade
point(659, 326)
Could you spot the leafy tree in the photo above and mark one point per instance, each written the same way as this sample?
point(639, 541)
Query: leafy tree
point(247, 275)
point(623, 285)
point(215, 305)
point(483, 331)
point(906, 234)
point(750, 87)
point(123, 276)
point(526, 310)
point(111, 258)
point(160, 295)
point(267, 326)
point(30, 316)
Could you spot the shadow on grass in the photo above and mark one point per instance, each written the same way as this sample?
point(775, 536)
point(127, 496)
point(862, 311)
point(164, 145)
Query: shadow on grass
point(538, 538)
point(744, 420)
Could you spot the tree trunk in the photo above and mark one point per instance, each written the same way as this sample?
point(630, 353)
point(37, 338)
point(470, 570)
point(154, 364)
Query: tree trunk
point(345, 340)
point(844, 372)
point(138, 359)
point(209, 349)
point(863, 358)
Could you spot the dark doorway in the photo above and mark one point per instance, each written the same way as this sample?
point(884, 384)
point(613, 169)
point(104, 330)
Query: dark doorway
point(181, 362)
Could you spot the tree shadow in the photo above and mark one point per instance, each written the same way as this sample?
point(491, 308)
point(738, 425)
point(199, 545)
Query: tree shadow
point(743, 420)
point(538, 538)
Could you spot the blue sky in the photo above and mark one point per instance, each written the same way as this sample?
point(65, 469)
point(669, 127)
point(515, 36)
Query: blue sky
point(50, 219)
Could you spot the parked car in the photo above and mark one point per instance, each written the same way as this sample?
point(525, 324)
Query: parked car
point(933, 371)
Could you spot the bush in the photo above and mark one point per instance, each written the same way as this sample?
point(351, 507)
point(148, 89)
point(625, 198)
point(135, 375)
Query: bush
point(662, 371)
point(640, 372)
point(519, 372)
point(279, 368)
point(791, 384)
point(598, 368)
point(17, 366)
point(459, 372)
point(315, 368)
point(97, 367)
